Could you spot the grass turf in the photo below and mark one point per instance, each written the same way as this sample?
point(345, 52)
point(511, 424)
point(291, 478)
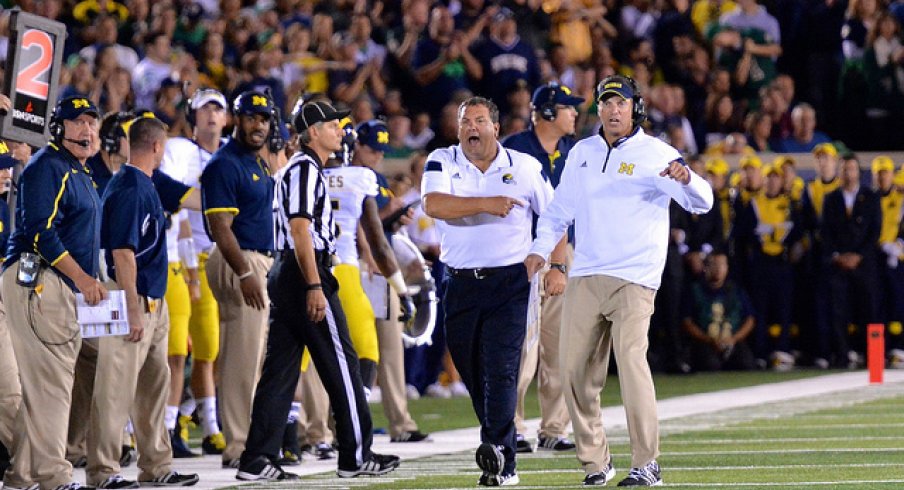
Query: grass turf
point(433, 414)
point(860, 446)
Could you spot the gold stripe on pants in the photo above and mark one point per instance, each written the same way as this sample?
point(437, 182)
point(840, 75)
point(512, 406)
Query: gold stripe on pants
point(391, 371)
point(243, 342)
point(602, 313)
point(44, 331)
point(132, 379)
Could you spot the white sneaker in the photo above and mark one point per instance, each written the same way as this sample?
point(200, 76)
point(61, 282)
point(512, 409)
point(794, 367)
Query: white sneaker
point(782, 361)
point(375, 395)
point(459, 390)
point(437, 390)
point(412, 393)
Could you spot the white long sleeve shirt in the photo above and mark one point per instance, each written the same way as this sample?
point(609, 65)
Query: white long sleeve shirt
point(485, 240)
point(620, 207)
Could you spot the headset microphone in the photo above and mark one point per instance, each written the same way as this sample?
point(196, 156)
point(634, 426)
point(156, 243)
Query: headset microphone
point(82, 143)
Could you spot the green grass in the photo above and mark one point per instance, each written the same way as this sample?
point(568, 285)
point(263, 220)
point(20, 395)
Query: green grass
point(860, 446)
point(432, 414)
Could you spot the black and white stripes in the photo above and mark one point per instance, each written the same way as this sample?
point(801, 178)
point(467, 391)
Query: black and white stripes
point(301, 192)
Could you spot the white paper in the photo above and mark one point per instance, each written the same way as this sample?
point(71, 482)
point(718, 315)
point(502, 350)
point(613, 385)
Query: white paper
point(533, 312)
point(377, 290)
point(109, 317)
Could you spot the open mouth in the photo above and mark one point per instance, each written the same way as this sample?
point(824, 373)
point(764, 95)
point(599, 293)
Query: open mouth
point(473, 140)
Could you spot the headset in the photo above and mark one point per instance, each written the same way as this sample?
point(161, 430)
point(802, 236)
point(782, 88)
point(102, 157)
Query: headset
point(189, 111)
point(275, 140)
point(56, 122)
point(111, 131)
point(548, 110)
point(639, 108)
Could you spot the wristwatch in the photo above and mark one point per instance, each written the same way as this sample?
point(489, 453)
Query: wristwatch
point(559, 267)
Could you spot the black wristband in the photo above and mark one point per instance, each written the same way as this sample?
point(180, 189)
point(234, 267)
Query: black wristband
point(559, 267)
point(316, 285)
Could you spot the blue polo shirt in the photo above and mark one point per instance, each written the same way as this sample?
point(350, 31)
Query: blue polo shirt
point(527, 142)
point(237, 181)
point(57, 212)
point(99, 173)
point(172, 192)
point(133, 219)
point(385, 194)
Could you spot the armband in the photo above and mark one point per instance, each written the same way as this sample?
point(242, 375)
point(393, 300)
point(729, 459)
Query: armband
point(187, 253)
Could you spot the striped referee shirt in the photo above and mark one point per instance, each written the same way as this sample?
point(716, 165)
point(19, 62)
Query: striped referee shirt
point(301, 192)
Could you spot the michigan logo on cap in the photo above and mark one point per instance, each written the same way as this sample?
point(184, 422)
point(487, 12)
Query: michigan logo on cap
point(612, 85)
point(80, 103)
point(258, 100)
point(383, 137)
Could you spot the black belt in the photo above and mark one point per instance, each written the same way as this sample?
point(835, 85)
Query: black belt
point(265, 253)
point(321, 257)
point(478, 273)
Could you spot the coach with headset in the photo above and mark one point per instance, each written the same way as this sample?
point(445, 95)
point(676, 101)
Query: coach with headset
point(53, 254)
point(616, 188)
point(549, 139)
point(237, 200)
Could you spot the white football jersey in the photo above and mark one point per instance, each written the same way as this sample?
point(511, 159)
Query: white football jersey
point(172, 235)
point(184, 160)
point(348, 186)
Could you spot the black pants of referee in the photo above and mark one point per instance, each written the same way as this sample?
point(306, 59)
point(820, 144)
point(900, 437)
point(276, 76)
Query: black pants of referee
point(331, 350)
point(486, 319)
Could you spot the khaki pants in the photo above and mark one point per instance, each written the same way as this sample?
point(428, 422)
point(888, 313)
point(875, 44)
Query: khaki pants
point(314, 423)
point(46, 339)
point(132, 378)
point(391, 371)
point(10, 389)
point(602, 313)
point(542, 358)
point(82, 391)
point(243, 341)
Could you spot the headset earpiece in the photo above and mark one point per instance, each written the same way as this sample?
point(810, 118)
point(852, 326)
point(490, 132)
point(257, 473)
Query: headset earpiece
point(638, 108)
point(56, 125)
point(111, 132)
point(547, 110)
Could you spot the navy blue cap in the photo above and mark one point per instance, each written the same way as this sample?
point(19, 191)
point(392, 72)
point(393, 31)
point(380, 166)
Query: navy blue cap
point(555, 93)
point(252, 102)
point(615, 85)
point(72, 107)
point(374, 134)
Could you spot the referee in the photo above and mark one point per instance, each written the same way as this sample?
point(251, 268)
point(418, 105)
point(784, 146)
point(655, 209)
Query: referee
point(306, 312)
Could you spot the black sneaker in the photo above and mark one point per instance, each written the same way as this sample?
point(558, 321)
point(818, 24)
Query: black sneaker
point(73, 485)
point(487, 480)
point(378, 464)
point(413, 436)
point(490, 459)
point(5, 460)
point(128, 456)
point(180, 447)
point(172, 479)
point(600, 478)
point(555, 443)
point(117, 481)
point(647, 476)
point(522, 445)
point(262, 469)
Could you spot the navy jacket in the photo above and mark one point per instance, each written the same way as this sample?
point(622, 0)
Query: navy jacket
point(57, 212)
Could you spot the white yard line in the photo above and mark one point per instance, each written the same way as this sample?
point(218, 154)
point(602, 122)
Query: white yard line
point(724, 407)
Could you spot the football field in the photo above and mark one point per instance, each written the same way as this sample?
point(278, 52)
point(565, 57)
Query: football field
point(805, 430)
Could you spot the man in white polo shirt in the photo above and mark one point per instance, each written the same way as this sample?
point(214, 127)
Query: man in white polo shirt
point(615, 188)
point(483, 198)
